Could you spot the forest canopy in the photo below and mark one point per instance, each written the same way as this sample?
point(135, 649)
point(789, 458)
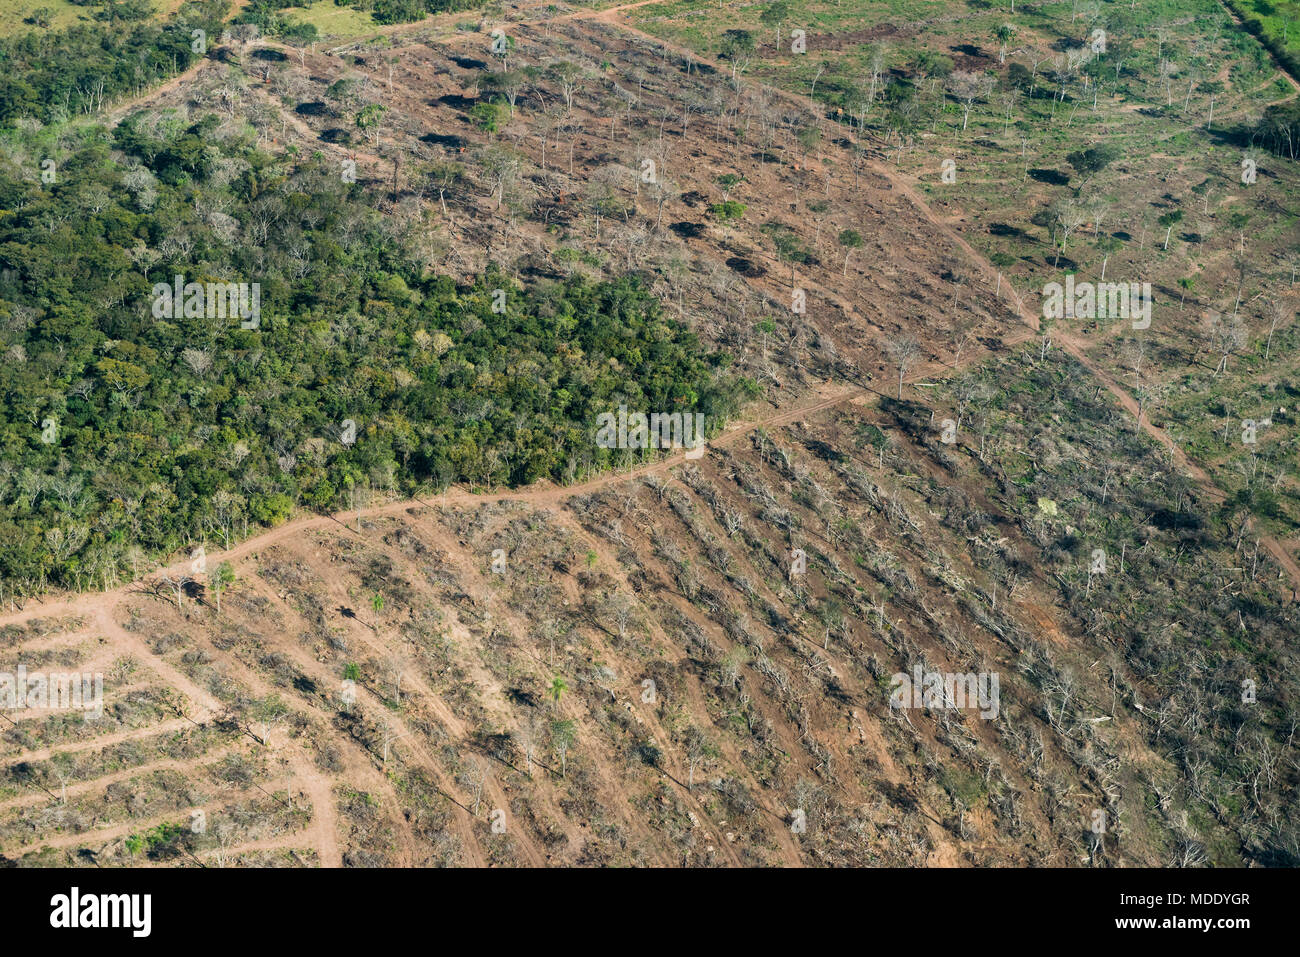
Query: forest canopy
point(122, 434)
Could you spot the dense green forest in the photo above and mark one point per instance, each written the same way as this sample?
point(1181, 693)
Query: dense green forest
point(122, 434)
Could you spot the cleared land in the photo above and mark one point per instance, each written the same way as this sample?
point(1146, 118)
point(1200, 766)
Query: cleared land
point(499, 644)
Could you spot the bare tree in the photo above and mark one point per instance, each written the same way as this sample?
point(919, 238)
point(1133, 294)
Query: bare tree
point(395, 665)
point(1008, 99)
point(389, 737)
point(178, 584)
point(570, 76)
point(966, 87)
point(443, 177)
point(661, 191)
point(620, 610)
point(500, 166)
point(697, 748)
point(1067, 216)
point(529, 737)
point(475, 778)
point(1278, 312)
point(905, 353)
point(964, 332)
point(1226, 335)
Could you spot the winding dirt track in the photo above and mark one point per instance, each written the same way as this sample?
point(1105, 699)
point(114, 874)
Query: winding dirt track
point(98, 606)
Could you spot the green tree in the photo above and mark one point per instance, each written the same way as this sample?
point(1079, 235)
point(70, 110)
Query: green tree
point(369, 120)
point(1169, 220)
point(1004, 34)
point(1093, 160)
point(698, 748)
point(487, 116)
point(570, 77)
point(507, 84)
point(728, 210)
point(738, 48)
point(775, 15)
point(809, 137)
point(563, 734)
point(219, 579)
point(1020, 77)
point(850, 239)
point(928, 63)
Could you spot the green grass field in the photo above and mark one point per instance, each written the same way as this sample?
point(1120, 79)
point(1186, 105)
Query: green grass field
point(1281, 19)
point(19, 16)
point(333, 22)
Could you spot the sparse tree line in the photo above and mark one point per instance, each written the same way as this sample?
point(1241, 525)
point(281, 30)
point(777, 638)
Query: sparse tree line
point(265, 14)
point(52, 77)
